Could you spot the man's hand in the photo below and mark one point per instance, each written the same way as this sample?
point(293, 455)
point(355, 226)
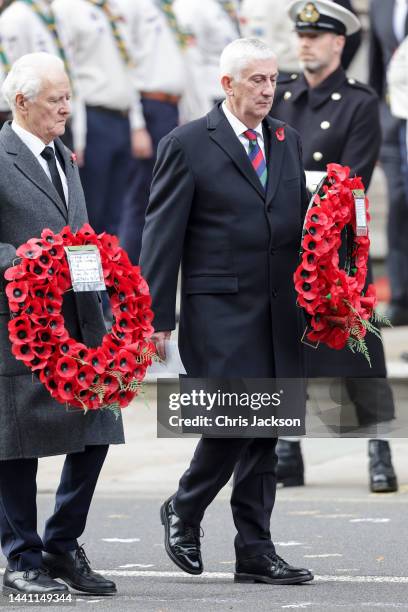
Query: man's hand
point(142, 147)
point(159, 338)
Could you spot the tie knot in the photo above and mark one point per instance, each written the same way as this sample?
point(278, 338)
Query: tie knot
point(251, 135)
point(48, 153)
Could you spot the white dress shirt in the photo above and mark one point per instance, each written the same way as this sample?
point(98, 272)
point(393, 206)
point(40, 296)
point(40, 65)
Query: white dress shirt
point(36, 147)
point(399, 18)
point(239, 129)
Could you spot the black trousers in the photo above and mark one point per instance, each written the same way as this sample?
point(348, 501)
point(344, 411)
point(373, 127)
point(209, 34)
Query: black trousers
point(253, 462)
point(20, 541)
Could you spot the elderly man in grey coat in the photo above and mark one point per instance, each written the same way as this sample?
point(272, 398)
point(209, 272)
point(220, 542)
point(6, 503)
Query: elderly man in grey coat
point(40, 187)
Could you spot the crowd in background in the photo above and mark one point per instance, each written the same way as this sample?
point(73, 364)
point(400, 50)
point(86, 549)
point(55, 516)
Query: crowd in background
point(140, 67)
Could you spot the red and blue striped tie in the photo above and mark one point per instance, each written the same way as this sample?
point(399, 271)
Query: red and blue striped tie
point(256, 156)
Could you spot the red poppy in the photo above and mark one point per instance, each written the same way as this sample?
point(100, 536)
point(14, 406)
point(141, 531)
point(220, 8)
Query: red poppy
point(20, 330)
point(50, 238)
point(14, 273)
point(66, 367)
point(97, 359)
point(66, 390)
point(23, 352)
point(125, 361)
point(17, 291)
point(41, 349)
point(280, 134)
point(85, 376)
point(30, 250)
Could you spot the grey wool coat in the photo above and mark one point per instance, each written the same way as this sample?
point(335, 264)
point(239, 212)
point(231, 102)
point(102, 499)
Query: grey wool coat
point(32, 424)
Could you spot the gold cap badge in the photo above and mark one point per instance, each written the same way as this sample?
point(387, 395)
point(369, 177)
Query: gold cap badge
point(309, 13)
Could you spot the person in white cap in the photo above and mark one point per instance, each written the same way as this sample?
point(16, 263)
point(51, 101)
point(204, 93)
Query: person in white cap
point(269, 21)
point(338, 120)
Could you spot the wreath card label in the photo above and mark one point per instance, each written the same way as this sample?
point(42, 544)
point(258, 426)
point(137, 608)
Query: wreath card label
point(85, 267)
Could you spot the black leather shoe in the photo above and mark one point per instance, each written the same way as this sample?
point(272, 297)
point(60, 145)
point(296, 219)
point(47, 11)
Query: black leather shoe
point(397, 315)
point(31, 581)
point(290, 469)
point(182, 541)
point(73, 568)
point(270, 568)
point(381, 471)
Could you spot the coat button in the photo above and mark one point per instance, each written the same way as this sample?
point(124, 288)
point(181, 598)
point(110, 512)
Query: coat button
point(336, 96)
point(317, 156)
point(287, 95)
point(325, 125)
point(294, 76)
point(272, 251)
point(274, 293)
point(352, 81)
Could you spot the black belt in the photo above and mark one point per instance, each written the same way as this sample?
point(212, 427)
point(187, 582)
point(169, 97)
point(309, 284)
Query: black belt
point(109, 111)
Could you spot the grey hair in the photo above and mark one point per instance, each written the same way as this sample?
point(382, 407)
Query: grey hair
point(28, 74)
point(240, 52)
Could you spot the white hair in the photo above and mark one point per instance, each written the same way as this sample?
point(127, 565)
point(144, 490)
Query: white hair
point(28, 74)
point(240, 52)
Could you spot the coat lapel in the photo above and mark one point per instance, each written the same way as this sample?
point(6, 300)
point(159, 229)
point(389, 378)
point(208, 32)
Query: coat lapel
point(222, 133)
point(275, 158)
point(28, 165)
point(69, 173)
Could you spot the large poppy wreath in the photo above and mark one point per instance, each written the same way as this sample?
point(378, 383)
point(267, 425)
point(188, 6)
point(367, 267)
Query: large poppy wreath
point(338, 308)
point(90, 378)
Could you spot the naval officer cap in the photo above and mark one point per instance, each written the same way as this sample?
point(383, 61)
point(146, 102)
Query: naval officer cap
point(323, 16)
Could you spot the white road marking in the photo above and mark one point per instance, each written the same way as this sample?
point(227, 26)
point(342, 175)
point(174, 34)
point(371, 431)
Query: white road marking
point(290, 543)
point(334, 516)
point(370, 520)
point(136, 565)
point(229, 576)
point(121, 540)
point(118, 516)
point(301, 605)
point(323, 556)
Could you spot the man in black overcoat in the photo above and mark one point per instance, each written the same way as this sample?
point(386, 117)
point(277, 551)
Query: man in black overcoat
point(338, 120)
point(234, 227)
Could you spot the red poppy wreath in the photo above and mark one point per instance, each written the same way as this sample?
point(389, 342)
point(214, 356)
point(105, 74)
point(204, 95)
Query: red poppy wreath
point(89, 378)
point(339, 309)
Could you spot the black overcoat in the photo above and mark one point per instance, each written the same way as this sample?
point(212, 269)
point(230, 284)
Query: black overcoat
point(238, 249)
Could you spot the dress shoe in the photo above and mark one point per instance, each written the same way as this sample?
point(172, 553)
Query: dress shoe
point(270, 568)
point(397, 315)
point(290, 469)
point(74, 568)
point(181, 540)
point(381, 470)
point(32, 581)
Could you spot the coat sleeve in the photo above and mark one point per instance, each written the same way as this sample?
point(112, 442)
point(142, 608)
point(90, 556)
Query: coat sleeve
point(362, 146)
point(167, 216)
point(7, 256)
point(376, 68)
point(304, 192)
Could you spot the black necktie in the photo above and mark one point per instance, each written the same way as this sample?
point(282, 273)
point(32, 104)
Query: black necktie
point(49, 156)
